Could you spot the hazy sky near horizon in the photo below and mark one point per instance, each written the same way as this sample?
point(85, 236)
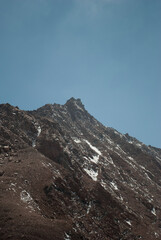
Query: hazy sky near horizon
point(106, 52)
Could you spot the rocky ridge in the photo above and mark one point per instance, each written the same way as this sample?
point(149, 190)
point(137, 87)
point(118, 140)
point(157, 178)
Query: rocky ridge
point(66, 176)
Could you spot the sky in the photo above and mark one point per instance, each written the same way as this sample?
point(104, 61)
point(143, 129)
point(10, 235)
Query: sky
point(106, 52)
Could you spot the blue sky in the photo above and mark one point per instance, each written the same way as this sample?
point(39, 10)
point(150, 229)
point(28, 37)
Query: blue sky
point(106, 52)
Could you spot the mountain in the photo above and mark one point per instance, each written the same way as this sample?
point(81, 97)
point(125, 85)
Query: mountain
point(65, 176)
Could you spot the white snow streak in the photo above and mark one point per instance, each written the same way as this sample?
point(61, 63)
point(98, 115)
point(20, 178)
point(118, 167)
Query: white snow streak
point(89, 207)
point(77, 140)
point(130, 158)
point(94, 159)
point(114, 185)
point(93, 148)
point(78, 106)
point(38, 131)
point(38, 134)
point(153, 211)
point(128, 222)
point(92, 174)
point(67, 237)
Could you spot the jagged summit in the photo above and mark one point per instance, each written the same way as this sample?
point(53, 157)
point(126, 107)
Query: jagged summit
point(72, 103)
point(66, 176)
point(75, 102)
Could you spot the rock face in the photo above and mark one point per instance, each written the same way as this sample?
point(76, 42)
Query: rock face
point(65, 176)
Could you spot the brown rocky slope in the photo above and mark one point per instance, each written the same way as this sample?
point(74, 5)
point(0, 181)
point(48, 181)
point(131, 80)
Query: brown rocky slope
point(65, 176)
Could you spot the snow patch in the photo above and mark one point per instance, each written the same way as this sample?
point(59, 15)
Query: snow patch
point(153, 211)
point(38, 131)
point(67, 237)
point(93, 148)
point(103, 184)
point(34, 143)
point(139, 145)
point(78, 106)
point(109, 159)
point(130, 158)
point(158, 158)
point(114, 185)
point(118, 133)
point(26, 198)
point(128, 222)
point(76, 140)
point(147, 176)
point(38, 134)
point(94, 159)
point(91, 173)
point(89, 207)
point(121, 198)
point(109, 141)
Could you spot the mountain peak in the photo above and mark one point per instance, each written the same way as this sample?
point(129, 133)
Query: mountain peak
point(76, 103)
point(74, 100)
point(66, 176)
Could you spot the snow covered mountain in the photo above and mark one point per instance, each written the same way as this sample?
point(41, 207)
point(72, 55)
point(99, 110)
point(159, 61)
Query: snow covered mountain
point(66, 176)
